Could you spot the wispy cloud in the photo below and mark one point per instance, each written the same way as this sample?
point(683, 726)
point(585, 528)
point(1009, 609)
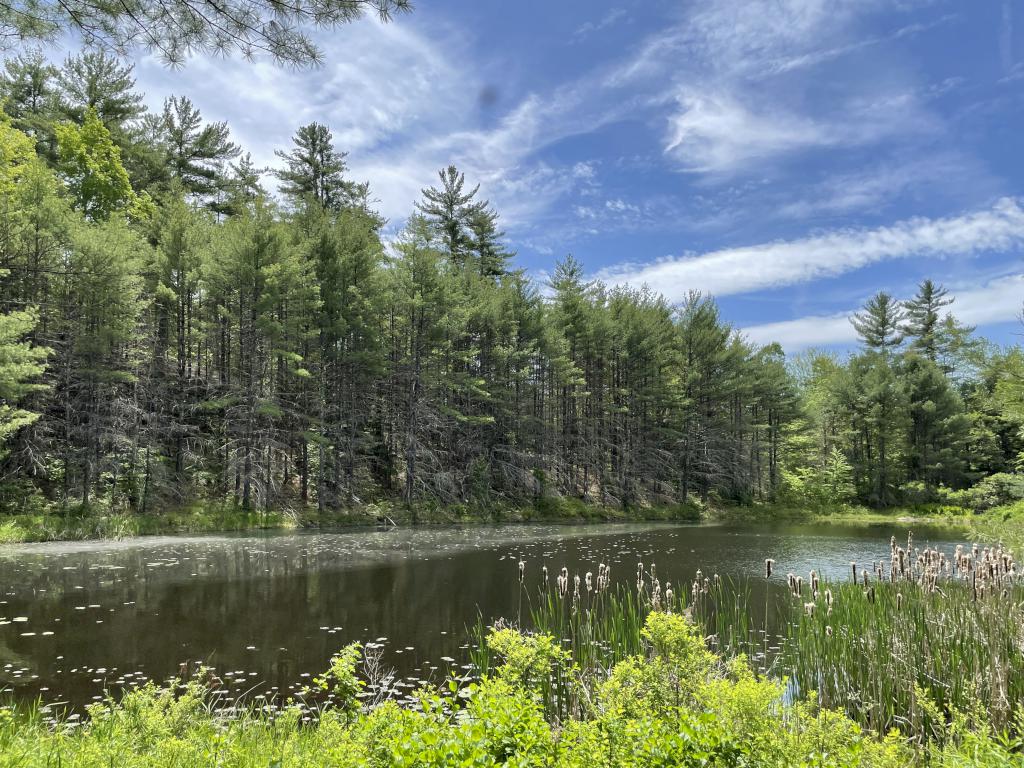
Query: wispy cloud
point(875, 186)
point(715, 133)
point(997, 301)
point(588, 28)
point(787, 262)
point(398, 98)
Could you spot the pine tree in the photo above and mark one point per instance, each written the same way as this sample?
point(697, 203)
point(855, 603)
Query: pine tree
point(315, 171)
point(103, 83)
point(177, 29)
point(198, 153)
point(938, 426)
point(878, 324)
point(450, 209)
point(29, 93)
point(491, 258)
point(923, 319)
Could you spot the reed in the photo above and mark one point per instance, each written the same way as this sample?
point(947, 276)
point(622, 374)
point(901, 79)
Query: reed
point(927, 638)
point(916, 642)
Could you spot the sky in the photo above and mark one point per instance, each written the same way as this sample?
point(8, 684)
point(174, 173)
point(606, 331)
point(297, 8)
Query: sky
point(789, 157)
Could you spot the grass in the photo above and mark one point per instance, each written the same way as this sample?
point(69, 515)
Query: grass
point(917, 645)
point(920, 643)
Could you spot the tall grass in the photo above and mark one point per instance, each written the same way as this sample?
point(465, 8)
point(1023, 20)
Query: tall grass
point(920, 641)
point(916, 643)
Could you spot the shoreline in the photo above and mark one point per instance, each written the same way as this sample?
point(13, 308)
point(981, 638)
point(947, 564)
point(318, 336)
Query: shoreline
point(1003, 522)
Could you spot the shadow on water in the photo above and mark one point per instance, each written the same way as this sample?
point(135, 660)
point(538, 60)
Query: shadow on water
point(266, 612)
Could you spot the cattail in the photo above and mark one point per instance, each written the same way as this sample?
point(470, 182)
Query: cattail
point(522, 571)
point(828, 602)
point(814, 581)
point(828, 630)
point(544, 573)
point(853, 569)
point(899, 600)
point(768, 563)
point(669, 596)
point(809, 608)
point(590, 582)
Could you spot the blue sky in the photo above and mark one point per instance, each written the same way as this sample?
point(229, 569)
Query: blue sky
point(790, 157)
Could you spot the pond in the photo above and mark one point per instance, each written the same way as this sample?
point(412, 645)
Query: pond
point(267, 611)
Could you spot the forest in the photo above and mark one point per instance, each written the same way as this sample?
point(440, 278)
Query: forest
point(182, 326)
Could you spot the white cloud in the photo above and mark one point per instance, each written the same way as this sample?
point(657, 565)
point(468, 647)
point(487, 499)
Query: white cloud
point(715, 133)
point(756, 103)
point(401, 100)
point(997, 301)
point(786, 262)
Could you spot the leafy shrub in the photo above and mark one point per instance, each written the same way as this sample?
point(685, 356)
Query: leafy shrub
point(996, 490)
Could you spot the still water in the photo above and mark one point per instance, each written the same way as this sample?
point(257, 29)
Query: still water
point(268, 611)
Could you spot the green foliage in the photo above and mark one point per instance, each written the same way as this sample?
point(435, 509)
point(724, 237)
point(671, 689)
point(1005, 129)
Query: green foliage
point(176, 29)
point(209, 345)
point(341, 679)
point(21, 364)
point(91, 164)
point(722, 716)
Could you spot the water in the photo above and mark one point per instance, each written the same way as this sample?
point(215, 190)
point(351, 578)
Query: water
point(267, 611)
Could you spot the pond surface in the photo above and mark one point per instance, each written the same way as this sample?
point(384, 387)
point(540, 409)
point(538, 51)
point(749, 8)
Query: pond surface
point(268, 611)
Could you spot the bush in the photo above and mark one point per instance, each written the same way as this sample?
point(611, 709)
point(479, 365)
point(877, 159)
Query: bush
point(996, 490)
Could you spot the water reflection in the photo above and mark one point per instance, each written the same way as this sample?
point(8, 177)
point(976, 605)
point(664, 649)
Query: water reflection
point(267, 611)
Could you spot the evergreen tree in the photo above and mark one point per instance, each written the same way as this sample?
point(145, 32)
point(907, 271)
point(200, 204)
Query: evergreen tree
point(923, 319)
point(938, 426)
point(99, 81)
point(315, 171)
point(878, 324)
point(177, 29)
point(450, 209)
point(30, 95)
point(491, 258)
point(197, 153)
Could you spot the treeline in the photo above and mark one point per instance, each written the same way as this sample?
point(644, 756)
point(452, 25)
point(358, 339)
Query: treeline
point(925, 412)
point(173, 332)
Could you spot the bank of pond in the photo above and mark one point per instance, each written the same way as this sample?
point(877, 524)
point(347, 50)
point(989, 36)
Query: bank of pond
point(644, 645)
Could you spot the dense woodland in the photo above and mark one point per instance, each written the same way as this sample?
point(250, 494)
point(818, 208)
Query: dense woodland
point(179, 325)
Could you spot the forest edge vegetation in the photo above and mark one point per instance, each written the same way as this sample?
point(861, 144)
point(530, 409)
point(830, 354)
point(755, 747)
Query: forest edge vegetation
point(173, 337)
